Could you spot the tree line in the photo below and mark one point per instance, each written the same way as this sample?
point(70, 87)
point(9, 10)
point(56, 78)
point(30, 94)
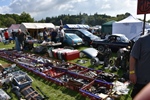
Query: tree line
point(97, 19)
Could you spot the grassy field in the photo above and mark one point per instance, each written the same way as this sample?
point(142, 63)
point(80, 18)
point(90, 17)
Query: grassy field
point(53, 91)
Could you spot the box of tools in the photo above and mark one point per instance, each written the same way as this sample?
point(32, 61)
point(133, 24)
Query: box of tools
point(97, 90)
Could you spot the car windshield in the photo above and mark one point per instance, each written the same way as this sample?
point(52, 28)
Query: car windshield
point(87, 33)
point(124, 38)
point(73, 36)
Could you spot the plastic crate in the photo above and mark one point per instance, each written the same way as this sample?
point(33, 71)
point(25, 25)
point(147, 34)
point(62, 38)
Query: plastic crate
point(73, 81)
point(96, 89)
point(22, 81)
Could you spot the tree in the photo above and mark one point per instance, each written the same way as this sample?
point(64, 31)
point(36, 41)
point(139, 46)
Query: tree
point(48, 19)
point(9, 21)
point(81, 18)
point(42, 21)
point(0, 23)
point(25, 17)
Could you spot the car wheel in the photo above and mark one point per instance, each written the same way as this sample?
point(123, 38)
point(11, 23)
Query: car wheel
point(86, 43)
point(94, 61)
point(101, 48)
point(112, 61)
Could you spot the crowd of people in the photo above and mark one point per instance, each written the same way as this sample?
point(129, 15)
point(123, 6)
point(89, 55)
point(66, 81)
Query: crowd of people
point(54, 34)
point(19, 37)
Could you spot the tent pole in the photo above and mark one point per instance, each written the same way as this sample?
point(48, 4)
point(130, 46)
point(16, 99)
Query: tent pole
point(144, 24)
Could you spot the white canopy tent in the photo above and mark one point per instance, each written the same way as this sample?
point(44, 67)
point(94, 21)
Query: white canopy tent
point(130, 27)
point(35, 28)
point(25, 26)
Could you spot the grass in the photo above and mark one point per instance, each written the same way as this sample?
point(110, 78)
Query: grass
point(7, 46)
point(56, 92)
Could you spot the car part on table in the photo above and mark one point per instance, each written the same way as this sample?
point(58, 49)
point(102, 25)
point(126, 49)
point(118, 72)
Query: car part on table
point(95, 61)
point(123, 58)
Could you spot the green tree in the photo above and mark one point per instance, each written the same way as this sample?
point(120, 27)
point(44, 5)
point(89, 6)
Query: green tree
point(91, 20)
point(9, 21)
point(48, 19)
point(42, 21)
point(0, 23)
point(25, 17)
point(16, 17)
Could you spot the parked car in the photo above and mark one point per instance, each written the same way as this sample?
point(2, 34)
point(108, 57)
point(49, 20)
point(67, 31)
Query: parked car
point(72, 39)
point(115, 42)
point(86, 36)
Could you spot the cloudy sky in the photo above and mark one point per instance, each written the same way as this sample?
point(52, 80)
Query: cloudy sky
point(39, 9)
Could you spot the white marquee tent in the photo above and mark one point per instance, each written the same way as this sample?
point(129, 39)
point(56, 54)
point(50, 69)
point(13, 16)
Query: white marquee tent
point(130, 27)
point(35, 28)
point(25, 26)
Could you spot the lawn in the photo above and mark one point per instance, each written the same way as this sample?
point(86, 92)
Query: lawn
point(53, 91)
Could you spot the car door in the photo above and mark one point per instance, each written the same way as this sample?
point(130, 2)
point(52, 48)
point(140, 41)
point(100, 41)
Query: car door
point(85, 38)
point(79, 34)
point(118, 43)
point(113, 43)
point(67, 40)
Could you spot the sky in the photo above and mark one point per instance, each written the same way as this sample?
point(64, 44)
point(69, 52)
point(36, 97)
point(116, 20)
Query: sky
point(40, 9)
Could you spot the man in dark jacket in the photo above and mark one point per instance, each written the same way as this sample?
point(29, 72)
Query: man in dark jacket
point(45, 34)
point(13, 35)
point(21, 38)
point(54, 35)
